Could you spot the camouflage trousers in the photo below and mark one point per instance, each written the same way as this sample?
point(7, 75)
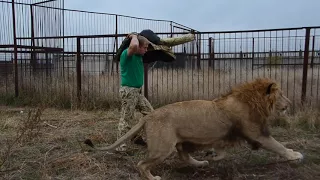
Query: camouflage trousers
point(131, 99)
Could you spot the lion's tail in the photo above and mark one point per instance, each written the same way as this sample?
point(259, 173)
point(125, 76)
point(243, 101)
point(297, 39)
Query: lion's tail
point(130, 134)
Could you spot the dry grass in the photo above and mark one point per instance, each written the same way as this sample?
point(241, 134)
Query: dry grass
point(165, 86)
point(61, 92)
point(51, 149)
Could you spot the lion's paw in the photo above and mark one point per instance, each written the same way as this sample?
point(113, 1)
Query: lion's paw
point(157, 178)
point(203, 163)
point(290, 150)
point(199, 163)
point(293, 155)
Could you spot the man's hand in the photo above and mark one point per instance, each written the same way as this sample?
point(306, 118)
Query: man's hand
point(132, 35)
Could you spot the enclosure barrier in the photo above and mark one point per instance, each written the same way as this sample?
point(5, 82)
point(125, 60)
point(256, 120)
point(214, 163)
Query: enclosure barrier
point(73, 63)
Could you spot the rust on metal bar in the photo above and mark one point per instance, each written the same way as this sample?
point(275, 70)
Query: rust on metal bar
point(305, 66)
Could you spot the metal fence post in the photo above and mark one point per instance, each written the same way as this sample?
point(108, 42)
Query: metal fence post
point(305, 67)
point(33, 60)
point(78, 69)
point(16, 79)
point(116, 39)
point(312, 51)
point(171, 29)
point(210, 51)
point(252, 56)
point(199, 52)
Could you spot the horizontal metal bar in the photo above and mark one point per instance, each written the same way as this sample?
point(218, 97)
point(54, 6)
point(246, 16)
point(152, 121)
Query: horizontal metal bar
point(90, 12)
point(182, 25)
point(259, 30)
point(97, 36)
point(43, 2)
point(166, 33)
point(289, 64)
point(261, 37)
point(71, 37)
point(31, 47)
point(182, 28)
point(225, 59)
point(1, 1)
point(93, 53)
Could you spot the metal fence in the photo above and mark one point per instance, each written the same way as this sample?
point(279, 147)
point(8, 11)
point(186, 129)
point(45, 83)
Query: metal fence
point(291, 56)
point(39, 49)
point(74, 63)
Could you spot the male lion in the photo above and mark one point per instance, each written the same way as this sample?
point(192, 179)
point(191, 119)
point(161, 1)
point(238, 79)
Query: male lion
point(240, 115)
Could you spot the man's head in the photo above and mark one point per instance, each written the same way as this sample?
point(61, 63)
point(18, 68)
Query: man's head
point(143, 45)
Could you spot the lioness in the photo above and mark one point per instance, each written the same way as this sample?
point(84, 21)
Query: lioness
point(240, 115)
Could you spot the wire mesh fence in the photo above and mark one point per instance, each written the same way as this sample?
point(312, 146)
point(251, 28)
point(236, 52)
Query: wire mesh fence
point(66, 57)
point(290, 56)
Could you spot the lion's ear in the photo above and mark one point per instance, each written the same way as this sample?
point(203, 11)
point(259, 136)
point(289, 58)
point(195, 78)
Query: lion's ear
point(271, 88)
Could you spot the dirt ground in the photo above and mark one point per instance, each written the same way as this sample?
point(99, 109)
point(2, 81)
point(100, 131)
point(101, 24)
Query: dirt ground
point(49, 145)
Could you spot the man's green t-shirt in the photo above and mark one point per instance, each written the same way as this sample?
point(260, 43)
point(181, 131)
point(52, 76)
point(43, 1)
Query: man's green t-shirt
point(132, 70)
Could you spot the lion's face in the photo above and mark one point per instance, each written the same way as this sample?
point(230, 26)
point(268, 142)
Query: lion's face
point(275, 95)
point(282, 103)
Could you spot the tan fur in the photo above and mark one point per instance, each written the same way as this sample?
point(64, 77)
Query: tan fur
point(187, 126)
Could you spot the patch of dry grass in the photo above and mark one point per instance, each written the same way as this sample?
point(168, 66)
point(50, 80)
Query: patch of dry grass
point(61, 91)
point(170, 85)
point(100, 91)
point(55, 150)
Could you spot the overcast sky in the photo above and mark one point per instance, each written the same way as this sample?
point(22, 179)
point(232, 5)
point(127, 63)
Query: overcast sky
point(213, 15)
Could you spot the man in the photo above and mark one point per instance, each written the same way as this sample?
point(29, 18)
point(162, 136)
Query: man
point(132, 76)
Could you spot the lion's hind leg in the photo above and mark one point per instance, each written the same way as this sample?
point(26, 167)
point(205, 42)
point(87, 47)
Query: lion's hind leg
point(145, 166)
point(158, 150)
point(186, 157)
point(155, 157)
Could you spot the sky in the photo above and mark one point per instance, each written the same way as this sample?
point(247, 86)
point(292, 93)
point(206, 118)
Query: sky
point(213, 15)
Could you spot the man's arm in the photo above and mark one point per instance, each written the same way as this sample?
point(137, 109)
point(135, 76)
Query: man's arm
point(134, 45)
